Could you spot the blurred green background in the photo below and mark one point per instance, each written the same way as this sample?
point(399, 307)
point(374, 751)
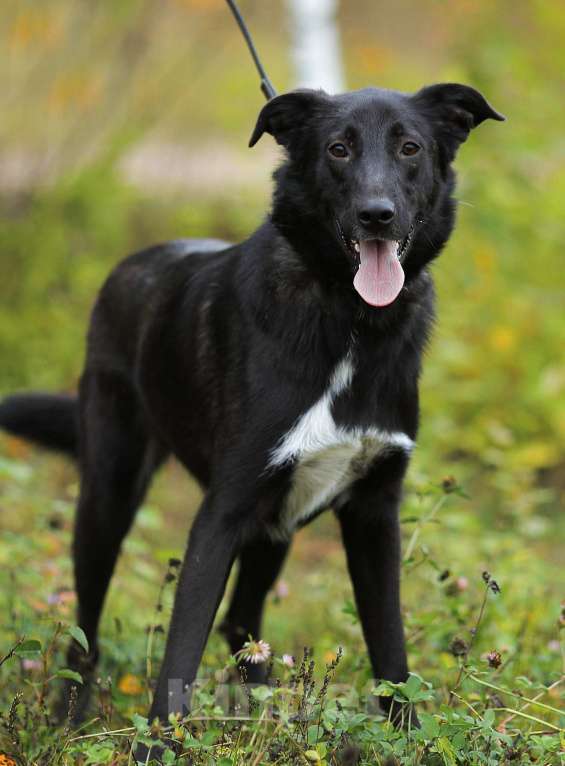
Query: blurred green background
point(126, 122)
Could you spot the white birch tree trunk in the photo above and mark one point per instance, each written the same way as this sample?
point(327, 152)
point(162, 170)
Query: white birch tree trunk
point(316, 45)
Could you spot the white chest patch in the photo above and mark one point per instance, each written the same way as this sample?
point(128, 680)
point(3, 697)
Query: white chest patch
point(328, 458)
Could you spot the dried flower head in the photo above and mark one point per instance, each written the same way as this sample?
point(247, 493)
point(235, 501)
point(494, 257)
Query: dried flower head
point(458, 647)
point(494, 659)
point(449, 484)
point(255, 651)
point(492, 584)
point(457, 586)
point(512, 753)
point(443, 576)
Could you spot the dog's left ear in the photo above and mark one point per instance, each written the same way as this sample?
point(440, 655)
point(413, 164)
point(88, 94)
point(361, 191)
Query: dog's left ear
point(454, 110)
point(284, 116)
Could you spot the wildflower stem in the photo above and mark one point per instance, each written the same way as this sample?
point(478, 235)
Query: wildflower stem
point(471, 642)
point(256, 732)
point(467, 704)
point(10, 654)
point(169, 577)
point(529, 717)
point(101, 734)
point(419, 526)
point(529, 700)
point(554, 685)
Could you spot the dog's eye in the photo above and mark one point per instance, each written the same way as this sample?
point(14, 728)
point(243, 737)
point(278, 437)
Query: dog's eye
point(409, 149)
point(338, 150)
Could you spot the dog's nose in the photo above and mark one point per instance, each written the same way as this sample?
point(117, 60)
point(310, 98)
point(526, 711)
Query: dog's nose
point(378, 212)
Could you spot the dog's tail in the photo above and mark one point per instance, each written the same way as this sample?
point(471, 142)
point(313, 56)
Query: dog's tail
point(49, 420)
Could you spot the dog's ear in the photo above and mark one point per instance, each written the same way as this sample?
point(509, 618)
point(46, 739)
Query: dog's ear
point(284, 116)
point(454, 110)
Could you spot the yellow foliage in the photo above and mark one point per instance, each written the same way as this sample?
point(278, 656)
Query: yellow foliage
point(537, 455)
point(74, 91)
point(34, 27)
point(200, 5)
point(502, 338)
point(16, 449)
point(130, 685)
point(560, 423)
point(373, 59)
point(484, 258)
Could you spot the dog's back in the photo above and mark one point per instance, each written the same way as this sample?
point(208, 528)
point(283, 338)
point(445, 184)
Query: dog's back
point(117, 323)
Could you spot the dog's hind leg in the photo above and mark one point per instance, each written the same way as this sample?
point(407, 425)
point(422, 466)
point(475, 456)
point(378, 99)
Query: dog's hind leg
point(117, 460)
point(260, 562)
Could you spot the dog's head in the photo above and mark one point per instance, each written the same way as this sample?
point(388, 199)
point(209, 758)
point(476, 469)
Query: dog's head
point(375, 162)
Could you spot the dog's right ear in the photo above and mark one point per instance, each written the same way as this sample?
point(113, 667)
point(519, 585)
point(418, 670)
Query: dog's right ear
point(454, 110)
point(283, 116)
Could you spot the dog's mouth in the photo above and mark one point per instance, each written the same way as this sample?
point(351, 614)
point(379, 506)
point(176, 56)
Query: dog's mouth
point(379, 276)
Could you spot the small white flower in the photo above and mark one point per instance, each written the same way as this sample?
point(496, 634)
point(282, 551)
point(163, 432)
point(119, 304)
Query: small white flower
point(288, 660)
point(256, 651)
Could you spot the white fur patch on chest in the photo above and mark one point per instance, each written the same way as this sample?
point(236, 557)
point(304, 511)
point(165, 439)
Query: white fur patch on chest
point(327, 458)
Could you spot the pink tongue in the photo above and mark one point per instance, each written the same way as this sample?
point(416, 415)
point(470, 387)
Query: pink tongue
point(380, 276)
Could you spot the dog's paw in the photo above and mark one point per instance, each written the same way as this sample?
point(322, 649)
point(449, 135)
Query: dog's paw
point(348, 755)
point(145, 754)
point(152, 754)
point(164, 751)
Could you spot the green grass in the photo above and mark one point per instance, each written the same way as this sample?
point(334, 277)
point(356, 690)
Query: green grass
point(448, 547)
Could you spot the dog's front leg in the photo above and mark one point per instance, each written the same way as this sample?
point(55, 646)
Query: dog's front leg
point(212, 546)
point(371, 535)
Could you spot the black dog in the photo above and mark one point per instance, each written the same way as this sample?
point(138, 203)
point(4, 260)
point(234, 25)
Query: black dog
point(282, 372)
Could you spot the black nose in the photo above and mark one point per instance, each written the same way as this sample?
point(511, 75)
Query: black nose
point(378, 212)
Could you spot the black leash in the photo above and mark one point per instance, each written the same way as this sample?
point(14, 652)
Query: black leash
point(266, 86)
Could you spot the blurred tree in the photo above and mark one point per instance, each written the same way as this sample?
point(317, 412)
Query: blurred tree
point(316, 44)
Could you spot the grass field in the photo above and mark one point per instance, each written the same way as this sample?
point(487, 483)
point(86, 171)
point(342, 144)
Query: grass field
point(514, 655)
